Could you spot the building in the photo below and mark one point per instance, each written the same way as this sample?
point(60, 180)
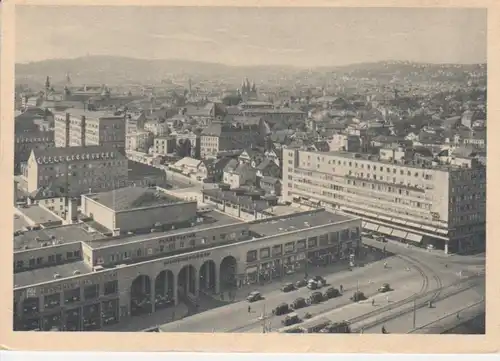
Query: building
point(344, 142)
point(28, 140)
point(157, 127)
point(397, 193)
point(136, 208)
point(164, 145)
point(189, 143)
point(139, 141)
point(76, 128)
point(85, 280)
point(135, 122)
point(243, 174)
point(76, 170)
point(219, 137)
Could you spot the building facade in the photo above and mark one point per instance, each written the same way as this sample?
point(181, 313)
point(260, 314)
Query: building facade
point(108, 281)
point(76, 170)
point(396, 193)
point(80, 128)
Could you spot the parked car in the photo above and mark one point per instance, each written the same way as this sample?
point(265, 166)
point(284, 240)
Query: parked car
point(320, 279)
point(254, 296)
point(315, 297)
point(291, 319)
point(281, 309)
point(384, 288)
point(298, 303)
point(331, 293)
point(288, 287)
point(301, 283)
point(358, 296)
point(337, 327)
point(312, 285)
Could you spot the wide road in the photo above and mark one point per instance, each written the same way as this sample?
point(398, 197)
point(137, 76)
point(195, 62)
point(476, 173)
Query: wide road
point(428, 267)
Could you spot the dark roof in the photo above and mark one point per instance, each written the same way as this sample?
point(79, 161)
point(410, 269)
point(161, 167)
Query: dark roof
point(122, 199)
point(271, 180)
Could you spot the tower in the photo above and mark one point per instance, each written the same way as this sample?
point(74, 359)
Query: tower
point(68, 79)
point(190, 86)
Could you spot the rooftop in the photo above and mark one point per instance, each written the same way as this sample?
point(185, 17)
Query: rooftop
point(137, 170)
point(426, 163)
point(26, 278)
point(92, 114)
point(128, 198)
point(210, 220)
point(297, 223)
point(57, 235)
point(86, 153)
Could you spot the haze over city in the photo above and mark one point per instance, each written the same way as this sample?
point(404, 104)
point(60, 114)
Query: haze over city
point(304, 37)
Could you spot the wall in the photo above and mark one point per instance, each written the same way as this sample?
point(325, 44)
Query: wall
point(100, 213)
point(147, 217)
point(42, 255)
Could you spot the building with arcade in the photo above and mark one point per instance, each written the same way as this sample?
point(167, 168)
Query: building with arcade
point(85, 276)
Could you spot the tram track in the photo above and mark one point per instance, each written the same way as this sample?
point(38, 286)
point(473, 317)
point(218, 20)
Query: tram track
point(413, 262)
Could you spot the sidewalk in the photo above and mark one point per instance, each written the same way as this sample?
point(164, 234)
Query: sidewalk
point(140, 323)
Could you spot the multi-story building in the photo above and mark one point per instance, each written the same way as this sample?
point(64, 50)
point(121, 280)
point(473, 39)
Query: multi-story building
point(398, 194)
point(76, 170)
point(190, 139)
point(76, 128)
point(26, 141)
point(158, 128)
point(164, 145)
point(219, 137)
point(91, 280)
point(139, 141)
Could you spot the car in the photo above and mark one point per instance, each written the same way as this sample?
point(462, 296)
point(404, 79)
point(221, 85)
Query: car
point(300, 283)
point(288, 287)
point(331, 293)
point(358, 296)
point(337, 327)
point(319, 279)
point(254, 296)
point(298, 303)
point(315, 297)
point(291, 319)
point(281, 309)
point(384, 288)
point(312, 285)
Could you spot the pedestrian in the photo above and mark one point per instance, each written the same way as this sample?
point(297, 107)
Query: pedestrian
point(387, 298)
point(249, 309)
point(373, 302)
point(341, 288)
point(458, 316)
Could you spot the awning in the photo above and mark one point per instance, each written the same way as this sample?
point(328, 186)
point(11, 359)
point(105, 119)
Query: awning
point(385, 218)
point(385, 230)
point(411, 224)
point(414, 237)
point(399, 234)
point(431, 229)
point(371, 226)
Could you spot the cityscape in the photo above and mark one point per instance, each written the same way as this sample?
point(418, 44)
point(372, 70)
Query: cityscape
point(239, 170)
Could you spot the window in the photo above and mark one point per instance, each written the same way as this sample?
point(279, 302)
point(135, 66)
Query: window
point(139, 252)
point(301, 244)
point(277, 250)
point(39, 260)
point(91, 292)
point(312, 242)
point(32, 262)
point(289, 247)
point(52, 258)
point(323, 240)
point(110, 287)
point(264, 252)
point(251, 256)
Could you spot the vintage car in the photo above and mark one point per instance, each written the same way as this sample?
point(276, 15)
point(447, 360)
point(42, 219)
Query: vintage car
point(291, 319)
point(298, 303)
point(254, 296)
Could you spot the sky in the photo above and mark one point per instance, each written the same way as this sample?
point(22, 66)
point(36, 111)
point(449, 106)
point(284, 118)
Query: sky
point(301, 37)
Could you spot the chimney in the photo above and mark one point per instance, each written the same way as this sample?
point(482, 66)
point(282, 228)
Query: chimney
point(72, 211)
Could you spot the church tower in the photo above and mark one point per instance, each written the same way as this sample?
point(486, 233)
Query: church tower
point(47, 86)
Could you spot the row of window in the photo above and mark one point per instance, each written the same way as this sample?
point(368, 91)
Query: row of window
point(303, 244)
point(51, 259)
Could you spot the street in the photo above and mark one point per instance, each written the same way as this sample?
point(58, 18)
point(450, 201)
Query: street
point(407, 276)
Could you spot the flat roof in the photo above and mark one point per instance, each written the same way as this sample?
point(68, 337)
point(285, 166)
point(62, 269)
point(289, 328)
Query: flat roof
point(212, 219)
point(128, 198)
point(38, 214)
point(137, 170)
point(26, 278)
point(297, 222)
point(95, 114)
point(61, 234)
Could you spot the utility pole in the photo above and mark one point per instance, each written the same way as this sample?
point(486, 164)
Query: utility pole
point(264, 319)
point(414, 314)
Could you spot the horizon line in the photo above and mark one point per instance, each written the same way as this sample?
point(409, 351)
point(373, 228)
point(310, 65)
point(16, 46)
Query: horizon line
point(251, 65)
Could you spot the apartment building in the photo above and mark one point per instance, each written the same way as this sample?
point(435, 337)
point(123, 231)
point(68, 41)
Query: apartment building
point(397, 193)
point(73, 171)
point(76, 128)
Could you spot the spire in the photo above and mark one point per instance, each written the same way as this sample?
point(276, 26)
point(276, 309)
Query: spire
point(47, 83)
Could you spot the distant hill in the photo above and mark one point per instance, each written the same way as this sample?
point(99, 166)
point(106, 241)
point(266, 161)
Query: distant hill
point(115, 70)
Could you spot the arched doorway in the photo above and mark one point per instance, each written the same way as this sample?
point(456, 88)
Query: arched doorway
point(227, 273)
point(164, 289)
point(207, 276)
point(186, 281)
point(140, 296)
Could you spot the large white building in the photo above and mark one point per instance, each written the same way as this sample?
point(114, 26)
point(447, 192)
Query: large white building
point(399, 194)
